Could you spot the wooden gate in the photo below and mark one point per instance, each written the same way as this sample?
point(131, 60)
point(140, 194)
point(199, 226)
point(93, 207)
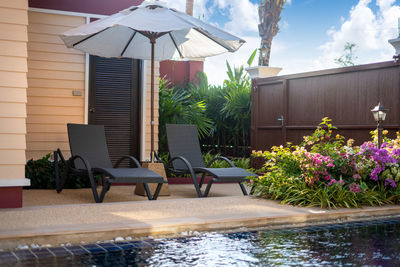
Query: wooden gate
point(285, 108)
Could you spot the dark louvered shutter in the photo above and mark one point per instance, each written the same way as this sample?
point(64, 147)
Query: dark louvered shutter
point(114, 103)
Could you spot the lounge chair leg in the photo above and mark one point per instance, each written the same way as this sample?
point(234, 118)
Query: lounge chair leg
point(104, 190)
point(202, 180)
point(158, 189)
point(243, 189)
point(208, 187)
point(94, 187)
point(61, 183)
point(57, 172)
point(148, 193)
point(196, 186)
point(252, 189)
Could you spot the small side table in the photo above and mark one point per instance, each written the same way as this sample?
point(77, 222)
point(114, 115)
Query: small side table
point(157, 168)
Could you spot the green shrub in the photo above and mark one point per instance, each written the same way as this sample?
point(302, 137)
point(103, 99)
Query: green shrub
point(324, 171)
point(42, 176)
point(238, 162)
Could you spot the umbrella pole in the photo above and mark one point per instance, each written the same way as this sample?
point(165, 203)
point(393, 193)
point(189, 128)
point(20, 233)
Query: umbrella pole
point(152, 41)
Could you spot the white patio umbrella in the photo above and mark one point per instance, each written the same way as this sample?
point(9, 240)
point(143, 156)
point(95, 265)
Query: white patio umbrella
point(151, 31)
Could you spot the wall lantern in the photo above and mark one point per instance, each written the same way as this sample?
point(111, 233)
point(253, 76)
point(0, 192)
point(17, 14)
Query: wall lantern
point(379, 113)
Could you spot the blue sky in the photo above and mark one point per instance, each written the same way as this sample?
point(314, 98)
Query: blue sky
point(312, 32)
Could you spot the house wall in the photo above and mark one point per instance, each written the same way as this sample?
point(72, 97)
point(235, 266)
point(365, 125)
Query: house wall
point(54, 73)
point(13, 84)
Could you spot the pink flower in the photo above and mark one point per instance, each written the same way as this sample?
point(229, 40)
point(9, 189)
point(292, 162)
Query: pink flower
point(330, 164)
point(356, 176)
point(327, 178)
point(355, 188)
point(333, 181)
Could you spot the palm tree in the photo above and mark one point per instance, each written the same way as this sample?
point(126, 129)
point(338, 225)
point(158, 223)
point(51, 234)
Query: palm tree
point(189, 7)
point(269, 13)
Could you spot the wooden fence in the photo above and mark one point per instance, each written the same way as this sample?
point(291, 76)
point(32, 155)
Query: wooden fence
point(285, 108)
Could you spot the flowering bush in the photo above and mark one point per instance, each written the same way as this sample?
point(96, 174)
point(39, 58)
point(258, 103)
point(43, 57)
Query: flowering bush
point(326, 171)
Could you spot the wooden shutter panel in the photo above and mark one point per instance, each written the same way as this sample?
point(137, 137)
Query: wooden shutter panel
point(114, 97)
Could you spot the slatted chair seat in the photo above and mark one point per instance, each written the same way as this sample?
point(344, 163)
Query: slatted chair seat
point(130, 175)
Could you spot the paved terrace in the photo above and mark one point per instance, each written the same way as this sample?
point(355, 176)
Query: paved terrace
point(51, 218)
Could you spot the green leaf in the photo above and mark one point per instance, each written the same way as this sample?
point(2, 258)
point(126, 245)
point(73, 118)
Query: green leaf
point(251, 58)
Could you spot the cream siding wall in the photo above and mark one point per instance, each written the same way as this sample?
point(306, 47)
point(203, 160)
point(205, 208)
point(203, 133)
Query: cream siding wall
point(13, 84)
point(54, 72)
point(147, 110)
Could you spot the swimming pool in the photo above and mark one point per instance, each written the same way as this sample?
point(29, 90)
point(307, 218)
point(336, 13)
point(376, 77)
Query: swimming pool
point(372, 243)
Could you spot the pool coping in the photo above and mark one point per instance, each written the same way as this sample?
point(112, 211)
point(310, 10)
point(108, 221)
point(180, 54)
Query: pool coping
point(177, 226)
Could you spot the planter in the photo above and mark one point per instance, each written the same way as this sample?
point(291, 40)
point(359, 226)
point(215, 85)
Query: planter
point(262, 72)
point(396, 44)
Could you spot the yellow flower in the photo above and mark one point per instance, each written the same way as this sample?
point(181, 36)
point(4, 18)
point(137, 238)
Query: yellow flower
point(350, 142)
point(322, 138)
point(385, 132)
point(337, 136)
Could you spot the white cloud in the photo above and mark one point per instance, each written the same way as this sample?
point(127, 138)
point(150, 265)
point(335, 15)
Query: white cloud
point(215, 67)
point(199, 9)
point(243, 17)
point(368, 30)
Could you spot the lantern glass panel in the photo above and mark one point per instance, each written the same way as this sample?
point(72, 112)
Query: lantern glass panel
point(382, 115)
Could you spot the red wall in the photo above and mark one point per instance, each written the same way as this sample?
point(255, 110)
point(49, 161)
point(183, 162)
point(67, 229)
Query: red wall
point(11, 197)
point(180, 72)
point(101, 7)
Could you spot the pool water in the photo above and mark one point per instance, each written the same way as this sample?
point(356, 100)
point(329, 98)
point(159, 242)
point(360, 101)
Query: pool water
point(373, 243)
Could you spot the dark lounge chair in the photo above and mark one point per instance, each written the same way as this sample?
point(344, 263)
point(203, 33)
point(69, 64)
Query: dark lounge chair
point(186, 158)
point(90, 157)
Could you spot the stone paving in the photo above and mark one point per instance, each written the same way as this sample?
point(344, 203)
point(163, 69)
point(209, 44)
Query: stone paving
point(51, 218)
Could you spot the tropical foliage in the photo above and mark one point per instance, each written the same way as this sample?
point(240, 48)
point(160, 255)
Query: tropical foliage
point(178, 106)
point(221, 113)
point(42, 175)
point(326, 171)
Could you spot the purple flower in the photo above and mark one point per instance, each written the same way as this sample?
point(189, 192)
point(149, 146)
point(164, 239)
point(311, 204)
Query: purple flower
point(390, 182)
point(357, 176)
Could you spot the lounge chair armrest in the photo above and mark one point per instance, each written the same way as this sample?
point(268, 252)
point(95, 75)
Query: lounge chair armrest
point(85, 162)
point(132, 159)
point(185, 161)
point(221, 158)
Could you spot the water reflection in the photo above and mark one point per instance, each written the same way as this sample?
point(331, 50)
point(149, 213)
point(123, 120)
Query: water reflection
point(372, 245)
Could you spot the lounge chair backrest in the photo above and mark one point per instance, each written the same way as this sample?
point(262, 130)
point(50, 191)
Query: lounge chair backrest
point(89, 142)
point(183, 141)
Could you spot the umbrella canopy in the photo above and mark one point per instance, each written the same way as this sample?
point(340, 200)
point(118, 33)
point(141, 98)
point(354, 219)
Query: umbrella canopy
point(151, 31)
point(127, 33)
